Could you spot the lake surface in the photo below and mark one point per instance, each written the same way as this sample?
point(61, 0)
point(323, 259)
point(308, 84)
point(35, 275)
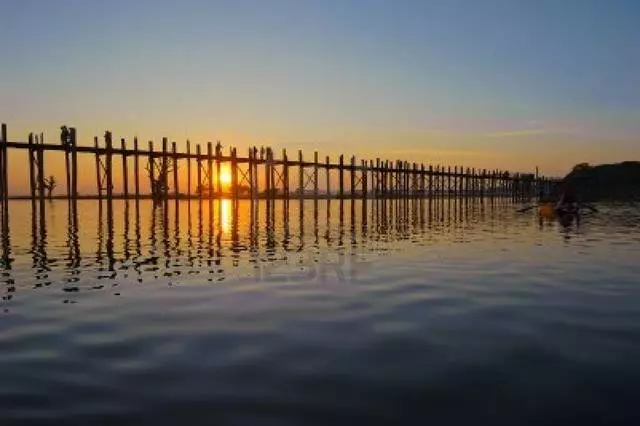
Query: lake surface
point(327, 313)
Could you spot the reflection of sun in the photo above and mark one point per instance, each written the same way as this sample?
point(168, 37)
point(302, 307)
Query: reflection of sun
point(225, 215)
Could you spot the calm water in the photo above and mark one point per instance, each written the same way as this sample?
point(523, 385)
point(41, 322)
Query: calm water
point(321, 314)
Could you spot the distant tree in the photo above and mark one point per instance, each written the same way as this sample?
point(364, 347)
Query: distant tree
point(50, 184)
point(581, 167)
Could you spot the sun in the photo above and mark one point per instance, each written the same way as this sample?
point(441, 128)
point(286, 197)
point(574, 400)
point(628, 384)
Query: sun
point(225, 177)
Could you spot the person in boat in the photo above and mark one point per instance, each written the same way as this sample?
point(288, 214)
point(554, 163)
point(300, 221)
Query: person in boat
point(568, 202)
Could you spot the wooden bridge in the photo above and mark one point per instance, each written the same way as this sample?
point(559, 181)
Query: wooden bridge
point(355, 179)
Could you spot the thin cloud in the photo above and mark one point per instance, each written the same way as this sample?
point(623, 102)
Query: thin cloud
point(515, 133)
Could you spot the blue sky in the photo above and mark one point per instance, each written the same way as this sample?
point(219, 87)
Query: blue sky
point(485, 83)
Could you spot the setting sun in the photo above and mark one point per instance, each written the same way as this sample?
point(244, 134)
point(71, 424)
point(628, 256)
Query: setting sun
point(225, 177)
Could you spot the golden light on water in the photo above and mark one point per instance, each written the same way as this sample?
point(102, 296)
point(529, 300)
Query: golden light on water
point(226, 210)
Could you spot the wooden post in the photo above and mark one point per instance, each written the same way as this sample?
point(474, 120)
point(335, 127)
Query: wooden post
point(152, 171)
point(363, 178)
point(40, 155)
point(188, 169)
point(176, 185)
point(32, 172)
point(4, 177)
point(199, 187)
point(67, 161)
point(383, 175)
point(272, 173)
point(98, 173)
point(341, 177)
point(251, 175)
point(210, 171)
point(218, 169)
point(315, 175)
point(108, 164)
point(414, 181)
point(74, 162)
point(267, 175)
point(234, 174)
point(256, 180)
point(136, 167)
point(300, 176)
point(125, 173)
point(352, 171)
point(474, 182)
point(454, 189)
point(285, 175)
point(328, 170)
point(165, 169)
point(430, 181)
point(376, 179)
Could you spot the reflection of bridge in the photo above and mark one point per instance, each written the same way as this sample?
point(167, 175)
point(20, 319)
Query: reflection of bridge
point(128, 237)
point(258, 175)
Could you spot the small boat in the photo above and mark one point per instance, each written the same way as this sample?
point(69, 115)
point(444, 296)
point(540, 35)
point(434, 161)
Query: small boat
point(552, 210)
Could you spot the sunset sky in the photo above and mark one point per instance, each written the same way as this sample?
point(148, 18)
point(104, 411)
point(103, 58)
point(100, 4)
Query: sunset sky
point(512, 84)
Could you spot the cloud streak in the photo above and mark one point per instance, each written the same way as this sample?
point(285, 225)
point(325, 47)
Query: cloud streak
point(515, 133)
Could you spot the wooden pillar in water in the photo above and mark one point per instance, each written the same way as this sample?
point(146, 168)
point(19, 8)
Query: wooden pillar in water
point(152, 170)
point(136, 168)
point(165, 169)
point(210, 171)
point(385, 178)
point(4, 177)
point(430, 181)
point(341, 177)
point(250, 172)
point(285, 175)
point(376, 179)
point(267, 175)
point(32, 166)
point(364, 178)
point(328, 176)
point(218, 169)
point(414, 181)
point(455, 181)
point(352, 176)
point(74, 162)
point(234, 174)
point(98, 174)
point(109, 164)
point(125, 173)
point(188, 169)
point(395, 174)
point(300, 176)
point(315, 174)
point(272, 173)
point(64, 139)
point(40, 156)
point(199, 187)
point(466, 182)
point(174, 156)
